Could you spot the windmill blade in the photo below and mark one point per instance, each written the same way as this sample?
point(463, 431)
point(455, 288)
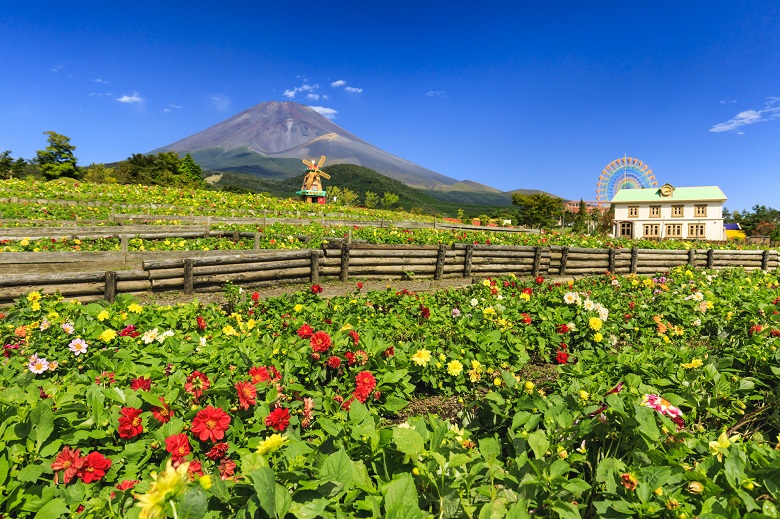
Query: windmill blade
point(321, 162)
point(324, 175)
point(309, 163)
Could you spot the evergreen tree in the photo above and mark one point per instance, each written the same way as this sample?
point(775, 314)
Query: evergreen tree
point(57, 159)
point(191, 172)
point(537, 209)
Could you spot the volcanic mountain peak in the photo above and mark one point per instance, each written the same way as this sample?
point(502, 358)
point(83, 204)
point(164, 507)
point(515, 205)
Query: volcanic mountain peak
point(267, 128)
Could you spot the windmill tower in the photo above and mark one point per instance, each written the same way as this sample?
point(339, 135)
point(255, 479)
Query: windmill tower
point(311, 190)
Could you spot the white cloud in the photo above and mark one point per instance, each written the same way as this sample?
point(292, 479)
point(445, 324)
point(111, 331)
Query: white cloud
point(330, 113)
point(291, 93)
point(771, 110)
point(132, 99)
point(57, 68)
point(728, 102)
point(353, 89)
point(101, 81)
point(101, 94)
point(313, 97)
point(171, 107)
point(435, 93)
point(338, 83)
point(221, 102)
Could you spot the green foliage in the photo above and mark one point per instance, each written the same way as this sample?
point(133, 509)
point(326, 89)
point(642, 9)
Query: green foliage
point(537, 209)
point(100, 174)
point(371, 199)
point(190, 172)
point(389, 199)
point(10, 167)
point(57, 160)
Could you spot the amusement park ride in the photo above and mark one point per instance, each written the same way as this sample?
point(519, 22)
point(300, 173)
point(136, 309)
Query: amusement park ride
point(623, 173)
point(311, 190)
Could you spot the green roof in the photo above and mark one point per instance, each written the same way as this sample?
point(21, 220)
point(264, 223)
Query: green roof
point(679, 194)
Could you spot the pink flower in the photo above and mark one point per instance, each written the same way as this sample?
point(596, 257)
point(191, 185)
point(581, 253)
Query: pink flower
point(664, 407)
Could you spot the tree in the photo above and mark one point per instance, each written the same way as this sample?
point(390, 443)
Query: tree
point(57, 159)
point(606, 220)
point(537, 209)
point(348, 197)
point(10, 167)
point(191, 172)
point(389, 199)
point(371, 199)
point(100, 174)
point(580, 224)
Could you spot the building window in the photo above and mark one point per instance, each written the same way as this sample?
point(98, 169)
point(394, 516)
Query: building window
point(677, 211)
point(626, 229)
point(633, 211)
point(696, 230)
point(655, 211)
point(700, 211)
point(674, 230)
point(652, 230)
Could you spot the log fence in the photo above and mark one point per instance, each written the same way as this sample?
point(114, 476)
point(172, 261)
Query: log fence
point(208, 271)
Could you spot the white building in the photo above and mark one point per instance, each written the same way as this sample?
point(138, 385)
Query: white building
point(668, 212)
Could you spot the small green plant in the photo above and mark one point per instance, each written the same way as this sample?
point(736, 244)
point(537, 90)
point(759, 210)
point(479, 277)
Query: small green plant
point(232, 293)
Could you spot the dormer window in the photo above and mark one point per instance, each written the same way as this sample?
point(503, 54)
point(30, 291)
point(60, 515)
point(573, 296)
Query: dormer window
point(667, 190)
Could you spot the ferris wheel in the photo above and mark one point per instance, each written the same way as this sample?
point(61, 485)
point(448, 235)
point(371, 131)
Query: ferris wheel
point(623, 173)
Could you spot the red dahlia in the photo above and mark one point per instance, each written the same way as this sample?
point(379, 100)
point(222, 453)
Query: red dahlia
point(217, 452)
point(94, 468)
point(247, 394)
point(334, 362)
point(127, 484)
point(305, 331)
point(130, 422)
point(562, 357)
point(69, 461)
point(278, 419)
point(210, 424)
point(364, 385)
point(201, 322)
point(162, 413)
point(320, 342)
point(355, 337)
point(196, 384)
point(179, 447)
point(141, 384)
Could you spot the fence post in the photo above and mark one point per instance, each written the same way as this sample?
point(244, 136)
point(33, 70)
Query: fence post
point(537, 261)
point(257, 241)
point(109, 293)
point(691, 257)
point(314, 261)
point(765, 260)
point(344, 274)
point(440, 257)
point(710, 258)
point(564, 259)
point(611, 260)
point(189, 288)
point(467, 261)
point(265, 214)
point(322, 218)
point(634, 258)
point(123, 242)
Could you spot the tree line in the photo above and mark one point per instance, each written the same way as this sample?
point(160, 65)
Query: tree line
point(57, 160)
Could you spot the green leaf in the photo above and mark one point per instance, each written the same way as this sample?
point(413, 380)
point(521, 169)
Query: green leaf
point(42, 420)
point(401, 499)
point(607, 471)
point(770, 510)
point(194, 504)
point(54, 509)
point(539, 443)
point(394, 404)
point(489, 448)
point(30, 473)
point(264, 481)
point(309, 509)
point(566, 510)
point(283, 500)
point(645, 417)
point(408, 441)
point(337, 468)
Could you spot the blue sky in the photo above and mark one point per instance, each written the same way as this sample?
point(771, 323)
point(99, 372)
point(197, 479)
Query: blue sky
point(538, 95)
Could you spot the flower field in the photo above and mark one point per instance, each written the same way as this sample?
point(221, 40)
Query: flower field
point(603, 397)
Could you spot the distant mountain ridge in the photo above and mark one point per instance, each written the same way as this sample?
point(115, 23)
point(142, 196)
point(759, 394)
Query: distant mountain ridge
point(270, 139)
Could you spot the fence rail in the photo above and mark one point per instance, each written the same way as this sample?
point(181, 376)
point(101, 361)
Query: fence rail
point(137, 273)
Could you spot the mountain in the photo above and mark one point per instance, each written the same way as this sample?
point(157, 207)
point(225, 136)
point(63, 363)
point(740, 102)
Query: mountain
point(270, 139)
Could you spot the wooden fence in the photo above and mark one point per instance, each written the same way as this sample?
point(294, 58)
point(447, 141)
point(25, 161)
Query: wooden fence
point(206, 271)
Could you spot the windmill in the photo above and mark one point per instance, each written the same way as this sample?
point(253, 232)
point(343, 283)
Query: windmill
point(311, 190)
